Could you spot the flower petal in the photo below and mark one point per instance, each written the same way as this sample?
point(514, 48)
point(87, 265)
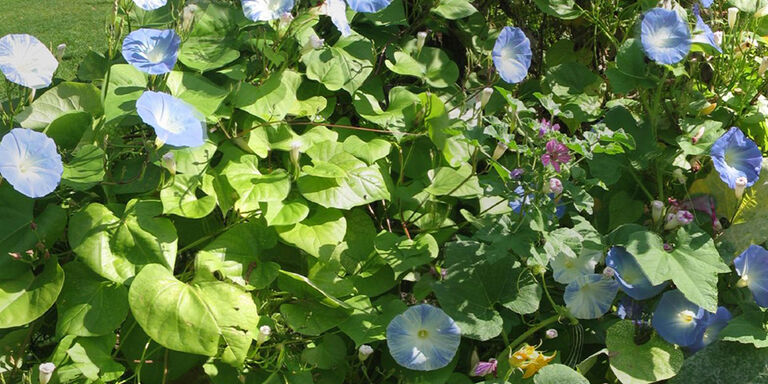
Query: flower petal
point(752, 266)
point(677, 319)
point(703, 34)
point(175, 122)
point(630, 276)
point(368, 6)
point(590, 296)
point(512, 55)
point(567, 269)
point(337, 11)
point(713, 323)
point(665, 36)
point(735, 155)
point(26, 61)
point(265, 10)
point(149, 5)
point(423, 338)
point(30, 162)
point(152, 51)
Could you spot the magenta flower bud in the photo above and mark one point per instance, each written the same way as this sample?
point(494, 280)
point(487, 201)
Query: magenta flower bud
point(551, 333)
point(555, 186)
point(668, 247)
point(684, 217)
point(485, 368)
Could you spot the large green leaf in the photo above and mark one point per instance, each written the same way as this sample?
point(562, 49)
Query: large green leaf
point(252, 186)
point(86, 169)
point(114, 243)
point(126, 84)
point(646, 363)
point(454, 9)
point(181, 197)
point(194, 318)
point(15, 216)
point(318, 234)
point(431, 65)
point(564, 9)
point(693, 265)
point(196, 90)
point(273, 99)
point(368, 322)
point(403, 254)
point(559, 374)
point(738, 363)
point(345, 65)
point(25, 296)
point(474, 286)
point(62, 99)
point(311, 318)
point(89, 305)
point(206, 53)
point(92, 357)
point(751, 327)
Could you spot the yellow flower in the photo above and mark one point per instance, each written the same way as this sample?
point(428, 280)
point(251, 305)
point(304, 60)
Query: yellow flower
point(529, 360)
point(539, 362)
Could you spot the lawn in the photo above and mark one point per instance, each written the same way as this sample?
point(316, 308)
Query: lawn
point(77, 23)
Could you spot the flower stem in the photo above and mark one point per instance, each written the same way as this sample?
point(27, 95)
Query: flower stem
point(516, 342)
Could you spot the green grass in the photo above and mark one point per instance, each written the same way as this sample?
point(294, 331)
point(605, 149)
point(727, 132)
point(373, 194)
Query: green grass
point(77, 23)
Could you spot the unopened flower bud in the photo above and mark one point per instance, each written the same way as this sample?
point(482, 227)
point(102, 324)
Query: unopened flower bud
point(668, 247)
point(733, 14)
point(684, 217)
point(695, 139)
point(740, 186)
point(717, 226)
point(671, 222)
point(286, 18)
point(551, 333)
point(763, 66)
point(364, 352)
point(555, 186)
point(609, 272)
point(718, 35)
point(264, 332)
point(60, 49)
point(485, 368)
point(169, 162)
point(485, 96)
point(421, 37)
point(657, 210)
point(516, 173)
point(501, 147)
point(295, 153)
point(188, 17)
point(316, 42)
point(46, 371)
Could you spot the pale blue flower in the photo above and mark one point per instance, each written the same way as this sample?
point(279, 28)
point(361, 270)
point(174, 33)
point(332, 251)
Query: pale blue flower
point(265, 10)
point(150, 5)
point(665, 36)
point(337, 11)
point(566, 269)
point(707, 3)
point(752, 266)
point(368, 6)
point(153, 51)
point(26, 61)
point(590, 296)
point(703, 33)
point(29, 162)
point(631, 278)
point(678, 320)
point(175, 122)
point(512, 55)
point(712, 324)
point(423, 338)
point(735, 155)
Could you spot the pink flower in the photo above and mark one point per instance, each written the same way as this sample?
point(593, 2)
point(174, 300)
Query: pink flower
point(484, 368)
point(557, 154)
point(545, 126)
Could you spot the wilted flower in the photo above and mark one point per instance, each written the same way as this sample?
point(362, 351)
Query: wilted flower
point(702, 33)
point(175, 122)
point(30, 162)
point(26, 61)
point(368, 6)
point(735, 155)
point(316, 42)
point(752, 266)
point(699, 134)
point(529, 360)
point(551, 333)
point(711, 325)
point(485, 368)
point(630, 276)
point(512, 55)
point(423, 338)
point(46, 371)
point(556, 155)
point(733, 14)
point(152, 51)
point(364, 352)
point(665, 36)
point(678, 320)
point(264, 332)
point(668, 247)
point(337, 11)
point(590, 296)
point(150, 5)
point(265, 10)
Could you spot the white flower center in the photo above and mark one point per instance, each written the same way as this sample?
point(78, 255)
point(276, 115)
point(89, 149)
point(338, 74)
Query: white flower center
point(687, 316)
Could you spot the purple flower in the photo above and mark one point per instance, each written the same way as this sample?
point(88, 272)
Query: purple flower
point(545, 126)
point(516, 173)
point(557, 154)
point(485, 368)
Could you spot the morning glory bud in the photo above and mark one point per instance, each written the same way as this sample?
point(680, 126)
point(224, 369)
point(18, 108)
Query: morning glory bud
point(718, 37)
point(364, 352)
point(733, 14)
point(551, 333)
point(46, 371)
point(609, 272)
point(741, 185)
point(316, 42)
point(555, 186)
point(295, 153)
point(516, 173)
point(188, 16)
point(286, 19)
point(421, 37)
point(695, 139)
point(657, 210)
point(684, 217)
point(169, 162)
point(671, 222)
point(763, 66)
point(485, 96)
point(263, 336)
point(60, 51)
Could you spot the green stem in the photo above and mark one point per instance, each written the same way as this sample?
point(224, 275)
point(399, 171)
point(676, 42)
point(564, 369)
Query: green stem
point(516, 342)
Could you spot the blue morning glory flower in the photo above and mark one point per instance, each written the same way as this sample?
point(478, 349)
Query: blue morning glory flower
point(678, 320)
point(29, 162)
point(631, 278)
point(368, 6)
point(423, 338)
point(337, 11)
point(566, 269)
point(590, 296)
point(512, 55)
point(703, 33)
point(153, 51)
point(265, 10)
point(26, 61)
point(665, 36)
point(707, 3)
point(517, 203)
point(175, 122)
point(712, 324)
point(752, 266)
point(735, 155)
point(149, 5)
